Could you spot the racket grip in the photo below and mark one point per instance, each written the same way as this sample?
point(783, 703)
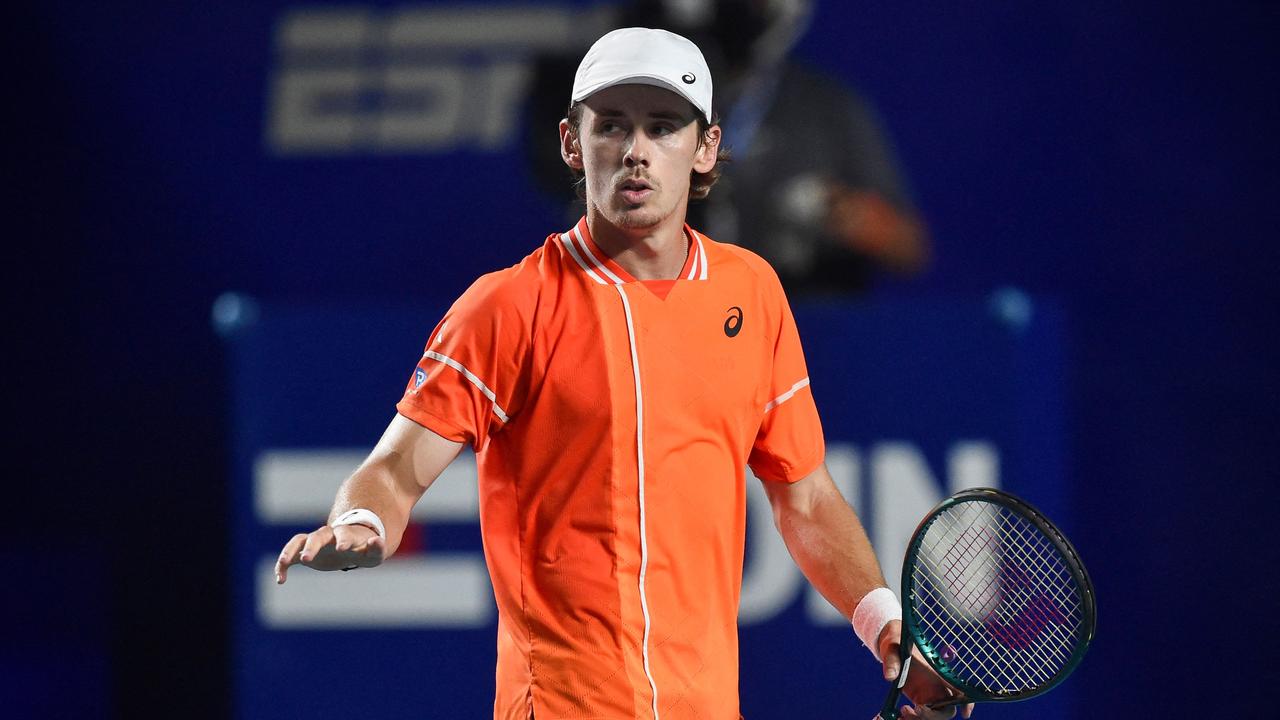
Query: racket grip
point(890, 709)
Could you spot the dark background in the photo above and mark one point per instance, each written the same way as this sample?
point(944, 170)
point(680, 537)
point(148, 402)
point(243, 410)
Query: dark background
point(1117, 157)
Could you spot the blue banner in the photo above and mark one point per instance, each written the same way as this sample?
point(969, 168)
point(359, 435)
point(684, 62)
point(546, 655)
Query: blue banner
point(918, 400)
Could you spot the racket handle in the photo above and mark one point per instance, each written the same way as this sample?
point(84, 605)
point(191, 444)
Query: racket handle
point(889, 711)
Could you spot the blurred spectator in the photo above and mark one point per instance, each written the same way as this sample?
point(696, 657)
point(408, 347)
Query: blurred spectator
point(813, 186)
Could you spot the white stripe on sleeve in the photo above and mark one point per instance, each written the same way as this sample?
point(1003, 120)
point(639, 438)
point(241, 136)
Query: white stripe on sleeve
point(470, 376)
point(786, 395)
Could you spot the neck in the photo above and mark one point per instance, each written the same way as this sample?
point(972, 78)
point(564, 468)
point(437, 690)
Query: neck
point(657, 252)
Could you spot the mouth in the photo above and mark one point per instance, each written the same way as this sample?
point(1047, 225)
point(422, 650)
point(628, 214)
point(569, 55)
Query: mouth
point(635, 190)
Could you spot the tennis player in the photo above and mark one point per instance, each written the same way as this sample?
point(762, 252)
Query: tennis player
point(615, 385)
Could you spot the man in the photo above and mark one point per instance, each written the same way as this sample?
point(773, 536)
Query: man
point(615, 384)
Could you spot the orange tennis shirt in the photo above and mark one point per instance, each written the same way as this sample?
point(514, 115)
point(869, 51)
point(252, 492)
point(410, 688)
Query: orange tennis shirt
point(613, 420)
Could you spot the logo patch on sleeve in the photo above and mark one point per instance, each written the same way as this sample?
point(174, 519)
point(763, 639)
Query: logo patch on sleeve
point(419, 377)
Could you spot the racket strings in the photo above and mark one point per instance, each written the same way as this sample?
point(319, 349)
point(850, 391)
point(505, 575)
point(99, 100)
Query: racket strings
point(995, 599)
point(971, 653)
point(989, 600)
point(1006, 596)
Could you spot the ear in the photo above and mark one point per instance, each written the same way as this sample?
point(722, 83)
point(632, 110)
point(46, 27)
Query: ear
point(570, 149)
point(705, 158)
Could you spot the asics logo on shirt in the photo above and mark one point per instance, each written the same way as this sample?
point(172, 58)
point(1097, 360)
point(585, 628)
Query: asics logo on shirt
point(734, 324)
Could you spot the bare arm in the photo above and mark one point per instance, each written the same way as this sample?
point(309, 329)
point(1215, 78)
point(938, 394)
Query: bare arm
point(827, 541)
point(403, 464)
point(389, 482)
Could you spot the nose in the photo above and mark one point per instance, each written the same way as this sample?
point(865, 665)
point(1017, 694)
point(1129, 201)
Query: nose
point(637, 151)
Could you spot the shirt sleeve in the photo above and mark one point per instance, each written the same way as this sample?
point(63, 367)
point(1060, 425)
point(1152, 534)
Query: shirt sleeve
point(469, 382)
point(789, 444)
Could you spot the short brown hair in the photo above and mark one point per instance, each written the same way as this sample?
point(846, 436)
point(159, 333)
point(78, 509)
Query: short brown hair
point(699, 182)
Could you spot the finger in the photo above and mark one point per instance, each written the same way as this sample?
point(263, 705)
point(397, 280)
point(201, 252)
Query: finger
point(374, 551)
point(935, 712)
point(288, 556)
point(892, 664)
point(346, 538)
point(316, 541)
point(953, 698)
point(889, 645)
point(931, 713)
point(908, 712)
point(966, 710)
point(352, 538)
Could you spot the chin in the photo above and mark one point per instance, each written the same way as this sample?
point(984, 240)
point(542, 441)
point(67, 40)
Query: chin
point(635, 217)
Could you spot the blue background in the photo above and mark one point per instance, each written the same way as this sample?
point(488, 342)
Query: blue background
point(1116, 158)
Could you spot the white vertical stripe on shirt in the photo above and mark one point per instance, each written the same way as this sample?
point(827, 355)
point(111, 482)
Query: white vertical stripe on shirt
point(644, 542)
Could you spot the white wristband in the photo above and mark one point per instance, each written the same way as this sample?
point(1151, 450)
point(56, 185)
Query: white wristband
point(360, 516)
point(876, 609)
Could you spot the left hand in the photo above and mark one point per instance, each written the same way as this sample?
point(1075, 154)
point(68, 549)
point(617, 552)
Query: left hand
point(330, 548)
point(924, 686)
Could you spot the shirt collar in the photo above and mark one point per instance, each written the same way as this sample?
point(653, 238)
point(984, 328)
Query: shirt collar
point(603, 270)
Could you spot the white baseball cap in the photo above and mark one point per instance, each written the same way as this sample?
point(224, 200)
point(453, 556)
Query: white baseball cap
point(646, 57)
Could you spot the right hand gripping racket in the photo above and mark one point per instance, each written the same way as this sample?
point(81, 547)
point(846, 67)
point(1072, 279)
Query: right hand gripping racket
point(996, 599)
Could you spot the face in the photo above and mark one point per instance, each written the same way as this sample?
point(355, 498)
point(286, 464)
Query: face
point(637, 145)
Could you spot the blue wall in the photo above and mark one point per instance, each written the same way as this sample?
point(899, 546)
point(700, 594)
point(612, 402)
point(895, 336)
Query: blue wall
point(1117, 157)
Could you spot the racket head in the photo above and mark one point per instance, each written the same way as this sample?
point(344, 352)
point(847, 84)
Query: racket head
point(995, 597)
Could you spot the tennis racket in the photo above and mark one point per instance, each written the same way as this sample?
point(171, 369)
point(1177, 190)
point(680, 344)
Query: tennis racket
point(996, 599)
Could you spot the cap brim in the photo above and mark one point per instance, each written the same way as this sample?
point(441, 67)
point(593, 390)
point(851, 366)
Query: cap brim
point(642, 79)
